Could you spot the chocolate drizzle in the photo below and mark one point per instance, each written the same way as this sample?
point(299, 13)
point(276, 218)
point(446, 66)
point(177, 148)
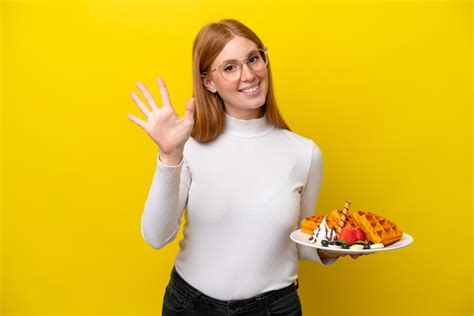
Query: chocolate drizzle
point(330, 235)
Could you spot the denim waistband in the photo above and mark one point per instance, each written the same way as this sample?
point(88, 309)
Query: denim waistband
point(261, 299)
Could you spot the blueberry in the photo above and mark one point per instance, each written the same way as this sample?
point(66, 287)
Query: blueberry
point(332, 242)
point(345, 246)
point(366, 246)
point(325, 243)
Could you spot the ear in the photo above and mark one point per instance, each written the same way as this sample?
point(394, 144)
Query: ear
point(209, 84)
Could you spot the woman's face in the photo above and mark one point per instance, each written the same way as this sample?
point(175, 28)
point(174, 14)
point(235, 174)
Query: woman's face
point(239, 104)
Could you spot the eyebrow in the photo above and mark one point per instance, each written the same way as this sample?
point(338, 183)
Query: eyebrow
point(250, 53)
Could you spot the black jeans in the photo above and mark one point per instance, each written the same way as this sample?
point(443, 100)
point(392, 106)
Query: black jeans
point(183, 299)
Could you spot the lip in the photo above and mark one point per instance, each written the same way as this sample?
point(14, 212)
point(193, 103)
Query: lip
point(251, 93)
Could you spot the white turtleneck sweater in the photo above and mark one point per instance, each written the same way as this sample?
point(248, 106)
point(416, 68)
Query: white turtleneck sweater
point(242, 195)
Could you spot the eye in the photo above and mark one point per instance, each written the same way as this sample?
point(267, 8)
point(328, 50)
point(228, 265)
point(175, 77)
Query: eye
point(230, 68)
point(254, 59)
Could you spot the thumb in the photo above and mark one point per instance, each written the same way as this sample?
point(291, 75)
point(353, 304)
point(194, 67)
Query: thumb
point(190, 107)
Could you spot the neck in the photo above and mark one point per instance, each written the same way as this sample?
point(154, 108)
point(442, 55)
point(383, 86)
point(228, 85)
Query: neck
point(247, 128)
point(246, 115)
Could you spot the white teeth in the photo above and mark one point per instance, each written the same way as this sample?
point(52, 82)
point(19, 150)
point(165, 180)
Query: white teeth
point(249, 90)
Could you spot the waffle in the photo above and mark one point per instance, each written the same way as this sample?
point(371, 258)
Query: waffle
point(309, 224)
point(377, 228)
point(335, 218)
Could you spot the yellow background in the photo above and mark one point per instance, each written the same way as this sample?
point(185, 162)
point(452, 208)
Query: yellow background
point(384, 88)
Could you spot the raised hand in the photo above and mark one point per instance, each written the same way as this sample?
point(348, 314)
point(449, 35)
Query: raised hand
point(168, 130)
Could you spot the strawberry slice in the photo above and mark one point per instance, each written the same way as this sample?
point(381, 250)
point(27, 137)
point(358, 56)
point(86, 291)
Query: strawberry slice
point(348, 235)
point(360, 234)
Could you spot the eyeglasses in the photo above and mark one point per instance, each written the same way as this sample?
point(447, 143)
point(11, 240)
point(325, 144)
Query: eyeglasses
point(232, 70)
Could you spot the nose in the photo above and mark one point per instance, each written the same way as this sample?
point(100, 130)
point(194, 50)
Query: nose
point(247, 73)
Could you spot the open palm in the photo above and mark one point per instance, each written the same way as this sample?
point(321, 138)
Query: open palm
point(163, 125)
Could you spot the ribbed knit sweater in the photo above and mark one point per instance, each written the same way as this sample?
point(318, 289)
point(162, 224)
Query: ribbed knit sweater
point(241, 195)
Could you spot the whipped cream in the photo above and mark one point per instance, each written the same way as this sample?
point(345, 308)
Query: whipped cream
point(322, 232)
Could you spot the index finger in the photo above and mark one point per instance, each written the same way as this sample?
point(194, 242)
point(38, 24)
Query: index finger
point(165, 97)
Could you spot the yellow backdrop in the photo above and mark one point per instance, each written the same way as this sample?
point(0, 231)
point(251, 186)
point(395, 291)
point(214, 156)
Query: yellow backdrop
point(383, 87)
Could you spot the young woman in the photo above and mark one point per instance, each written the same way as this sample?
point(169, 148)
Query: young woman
point(245, 180)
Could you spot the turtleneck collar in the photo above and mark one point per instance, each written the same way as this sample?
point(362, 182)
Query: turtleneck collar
point(247, 128)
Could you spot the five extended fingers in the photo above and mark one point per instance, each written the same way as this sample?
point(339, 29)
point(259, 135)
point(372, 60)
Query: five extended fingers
point(151, 101)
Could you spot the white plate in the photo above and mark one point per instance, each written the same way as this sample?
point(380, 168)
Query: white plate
point(302, 238)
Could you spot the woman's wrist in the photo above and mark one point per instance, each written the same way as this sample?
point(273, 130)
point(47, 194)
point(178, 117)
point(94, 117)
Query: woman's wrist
point(171, 159)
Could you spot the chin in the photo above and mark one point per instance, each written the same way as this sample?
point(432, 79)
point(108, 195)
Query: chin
point(258, 101)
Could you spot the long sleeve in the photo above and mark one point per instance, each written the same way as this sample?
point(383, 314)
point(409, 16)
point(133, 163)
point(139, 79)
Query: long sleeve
point(165, 203)
point(308, 204)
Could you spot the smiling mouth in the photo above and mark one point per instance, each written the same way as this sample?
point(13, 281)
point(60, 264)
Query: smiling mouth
point(251, 90)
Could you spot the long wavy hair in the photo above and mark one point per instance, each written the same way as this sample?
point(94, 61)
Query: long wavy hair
point(209, 107)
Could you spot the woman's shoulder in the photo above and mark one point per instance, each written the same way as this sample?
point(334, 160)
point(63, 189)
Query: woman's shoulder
point(305, 149)
point(302, 145)
point(297, 139)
